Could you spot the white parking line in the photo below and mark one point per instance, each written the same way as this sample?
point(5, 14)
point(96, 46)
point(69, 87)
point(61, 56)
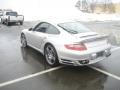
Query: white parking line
point(29, 76)
point(106, 73)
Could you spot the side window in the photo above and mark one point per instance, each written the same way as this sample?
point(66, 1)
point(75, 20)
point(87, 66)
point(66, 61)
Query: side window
point(4, 13)
point(52, 30)
point(41, 27)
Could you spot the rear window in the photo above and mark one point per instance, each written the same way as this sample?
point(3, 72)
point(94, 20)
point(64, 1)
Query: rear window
point(11, 13)
point(74, 27)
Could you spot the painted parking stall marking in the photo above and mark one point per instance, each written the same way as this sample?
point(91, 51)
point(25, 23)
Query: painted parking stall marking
point(106, 73)
point(29, 76)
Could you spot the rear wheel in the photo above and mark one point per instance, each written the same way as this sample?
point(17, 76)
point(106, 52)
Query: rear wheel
point(23, 41)
point(21, 23)
point(51, 55)
point(7, 23)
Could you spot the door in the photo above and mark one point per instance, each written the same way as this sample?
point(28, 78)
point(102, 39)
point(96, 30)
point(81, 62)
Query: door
point(37, 35)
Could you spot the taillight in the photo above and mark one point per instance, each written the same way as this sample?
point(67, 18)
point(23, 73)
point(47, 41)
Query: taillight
point(77, 47)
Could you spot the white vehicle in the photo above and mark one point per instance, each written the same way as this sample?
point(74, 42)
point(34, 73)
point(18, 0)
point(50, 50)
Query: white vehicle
point(12, 17)
point(0, 16)
point(68, 43)
point(0, 20)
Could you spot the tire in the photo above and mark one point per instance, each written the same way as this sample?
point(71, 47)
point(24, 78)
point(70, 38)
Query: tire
point(2, 22)
point(7, 23)
point(21, 23)
point(51, 55)
point(23, 41)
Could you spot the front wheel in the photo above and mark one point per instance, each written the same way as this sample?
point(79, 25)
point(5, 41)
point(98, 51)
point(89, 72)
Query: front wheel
point(51, 55)
point(23, 41)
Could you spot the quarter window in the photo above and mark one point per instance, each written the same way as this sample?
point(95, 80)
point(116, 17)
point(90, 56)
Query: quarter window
point(52, 30)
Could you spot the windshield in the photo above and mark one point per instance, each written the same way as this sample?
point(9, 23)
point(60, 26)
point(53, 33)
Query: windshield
point(11, 13)
point(74, 27)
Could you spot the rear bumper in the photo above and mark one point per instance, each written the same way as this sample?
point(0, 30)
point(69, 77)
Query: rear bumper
point(84, 59)
point(15, 21)
point(81, 62)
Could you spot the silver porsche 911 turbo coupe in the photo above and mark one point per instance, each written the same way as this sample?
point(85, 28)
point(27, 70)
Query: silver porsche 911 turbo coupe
point(66, 42)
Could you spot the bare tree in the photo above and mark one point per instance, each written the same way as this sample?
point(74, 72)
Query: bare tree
point(85, 5)
point(93, 6)
point(78, 4)
point(108, 6)
point(111, 7)
point(82, 5)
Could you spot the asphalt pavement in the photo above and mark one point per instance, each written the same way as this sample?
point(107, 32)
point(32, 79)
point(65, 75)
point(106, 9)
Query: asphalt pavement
point(26, 69)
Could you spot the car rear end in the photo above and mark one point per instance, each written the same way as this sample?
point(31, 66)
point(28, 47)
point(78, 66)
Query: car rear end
point(87, 48)
point(84, 52)
point(14, 17)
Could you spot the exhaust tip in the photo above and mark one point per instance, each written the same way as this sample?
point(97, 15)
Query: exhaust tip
point(84, 62)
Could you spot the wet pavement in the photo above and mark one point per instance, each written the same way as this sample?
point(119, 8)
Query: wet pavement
point(69, 78)
point(111, 64)
point(17, 62)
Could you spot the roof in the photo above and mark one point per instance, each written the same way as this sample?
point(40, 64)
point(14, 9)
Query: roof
point(55, 21)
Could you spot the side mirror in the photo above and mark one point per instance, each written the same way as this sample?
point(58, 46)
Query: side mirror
point(30, 29)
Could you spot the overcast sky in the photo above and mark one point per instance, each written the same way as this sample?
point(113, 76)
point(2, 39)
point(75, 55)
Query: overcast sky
point(35, 8)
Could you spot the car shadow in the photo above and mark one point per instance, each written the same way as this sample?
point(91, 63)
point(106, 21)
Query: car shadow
point(30, 55)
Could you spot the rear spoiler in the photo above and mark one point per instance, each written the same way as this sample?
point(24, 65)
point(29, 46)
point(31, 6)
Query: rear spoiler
point(96, 38)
